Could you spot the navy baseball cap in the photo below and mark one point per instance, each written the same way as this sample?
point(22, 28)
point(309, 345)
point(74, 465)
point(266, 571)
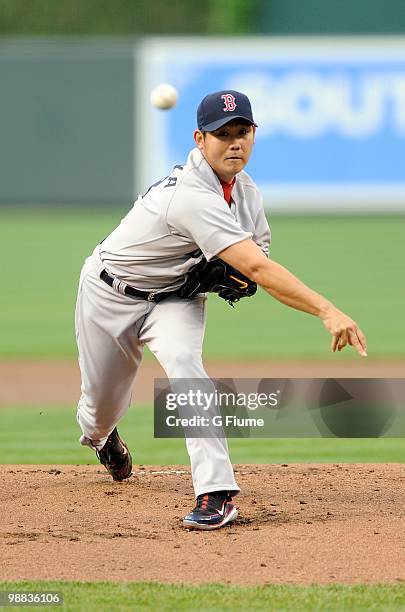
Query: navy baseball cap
point(217, 109)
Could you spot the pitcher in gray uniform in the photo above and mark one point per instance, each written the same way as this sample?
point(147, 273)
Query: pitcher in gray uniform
point(127, 293)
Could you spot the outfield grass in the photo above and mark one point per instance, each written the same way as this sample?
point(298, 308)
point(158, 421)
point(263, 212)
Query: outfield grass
point(155, 596)
point(50, 435)
point(356, 261)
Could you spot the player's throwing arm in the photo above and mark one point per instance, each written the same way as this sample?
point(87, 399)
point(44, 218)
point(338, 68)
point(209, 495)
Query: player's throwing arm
point(247, 257)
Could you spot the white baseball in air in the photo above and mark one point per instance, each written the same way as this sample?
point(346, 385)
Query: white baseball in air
point(164, 96)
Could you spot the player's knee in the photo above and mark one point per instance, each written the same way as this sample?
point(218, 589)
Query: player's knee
point(182, 363)
point(183, 357)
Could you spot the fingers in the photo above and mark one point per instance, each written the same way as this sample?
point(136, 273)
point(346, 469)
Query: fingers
point(351, 336)
point(358, 340)
point(362, 340)
point(345, 332)
point(339, 340)
point(343, 339)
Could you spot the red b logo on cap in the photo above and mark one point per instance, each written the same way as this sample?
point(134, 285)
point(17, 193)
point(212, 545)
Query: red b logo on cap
point(229, 101)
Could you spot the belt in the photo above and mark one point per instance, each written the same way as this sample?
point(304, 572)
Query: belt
point(123, 288)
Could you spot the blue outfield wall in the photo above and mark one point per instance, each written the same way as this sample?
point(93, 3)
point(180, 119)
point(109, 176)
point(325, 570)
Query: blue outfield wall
point(331, 114)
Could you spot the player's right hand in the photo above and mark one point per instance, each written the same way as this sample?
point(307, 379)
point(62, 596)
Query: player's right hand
point(344, 331)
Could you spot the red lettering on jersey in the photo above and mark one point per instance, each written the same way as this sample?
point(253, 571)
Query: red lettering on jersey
point(229, 101)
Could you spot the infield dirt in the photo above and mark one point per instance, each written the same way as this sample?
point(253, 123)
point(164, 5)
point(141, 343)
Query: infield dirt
point(41, 383)
point(298, 524)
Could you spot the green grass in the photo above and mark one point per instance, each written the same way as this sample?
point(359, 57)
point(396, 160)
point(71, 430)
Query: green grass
point(156, 596)
point(50, 435)
point(356, 261)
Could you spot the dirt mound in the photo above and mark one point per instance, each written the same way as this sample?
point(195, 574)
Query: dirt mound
point(298, 524)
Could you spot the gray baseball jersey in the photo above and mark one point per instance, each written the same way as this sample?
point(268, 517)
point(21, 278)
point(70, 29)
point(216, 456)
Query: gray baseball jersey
point(152, 247)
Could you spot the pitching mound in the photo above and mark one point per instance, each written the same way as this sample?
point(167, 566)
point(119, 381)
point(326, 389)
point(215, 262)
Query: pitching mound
point(298, 524)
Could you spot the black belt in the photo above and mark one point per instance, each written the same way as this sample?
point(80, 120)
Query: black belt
point(149, 296)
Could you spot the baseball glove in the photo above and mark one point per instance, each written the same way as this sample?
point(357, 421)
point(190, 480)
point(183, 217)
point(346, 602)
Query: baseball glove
point(217, 277)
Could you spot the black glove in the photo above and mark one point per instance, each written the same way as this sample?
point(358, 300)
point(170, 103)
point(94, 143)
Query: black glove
point(217, 277)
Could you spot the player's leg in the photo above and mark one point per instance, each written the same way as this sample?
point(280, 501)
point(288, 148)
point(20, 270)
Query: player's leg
point(174, 332)
point(107, 325)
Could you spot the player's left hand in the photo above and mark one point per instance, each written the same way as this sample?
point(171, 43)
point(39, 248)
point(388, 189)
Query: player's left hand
point(344, 332)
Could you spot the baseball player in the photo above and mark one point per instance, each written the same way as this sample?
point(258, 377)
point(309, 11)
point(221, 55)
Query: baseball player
point(128, 293)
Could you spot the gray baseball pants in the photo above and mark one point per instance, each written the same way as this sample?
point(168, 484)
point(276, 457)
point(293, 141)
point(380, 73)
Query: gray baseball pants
point(111, 331)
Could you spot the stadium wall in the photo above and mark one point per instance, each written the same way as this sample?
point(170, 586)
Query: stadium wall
point(77, 126)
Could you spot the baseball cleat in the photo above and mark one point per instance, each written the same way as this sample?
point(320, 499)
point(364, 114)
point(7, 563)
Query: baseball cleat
point(116, 457)
point(212, 511)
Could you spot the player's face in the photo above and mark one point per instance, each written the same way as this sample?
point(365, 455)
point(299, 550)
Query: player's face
point(227, 150)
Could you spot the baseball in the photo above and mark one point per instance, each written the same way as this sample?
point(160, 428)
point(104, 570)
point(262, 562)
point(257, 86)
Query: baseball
point(164, 96)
